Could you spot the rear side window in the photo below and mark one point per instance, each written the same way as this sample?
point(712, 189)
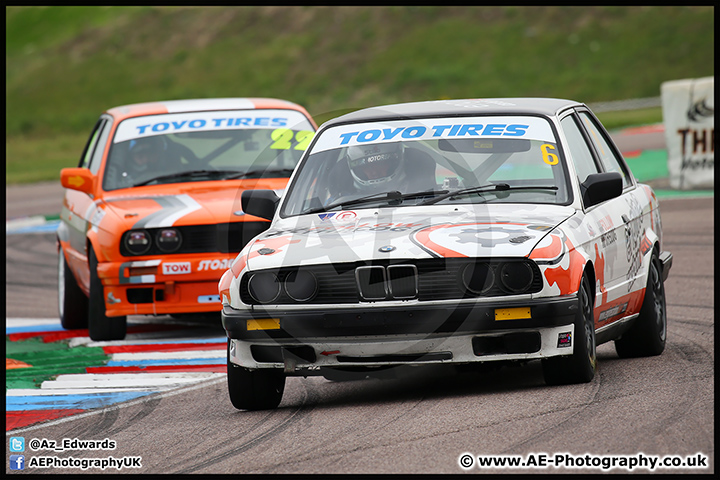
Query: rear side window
point(99, 149)
point(92, 144)
point(606, 154)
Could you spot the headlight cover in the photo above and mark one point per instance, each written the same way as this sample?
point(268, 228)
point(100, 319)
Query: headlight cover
point(478, 278)
point(300, 285)
point(168, 240)
point(516, 277)
point(264, 287)
point(137, 242)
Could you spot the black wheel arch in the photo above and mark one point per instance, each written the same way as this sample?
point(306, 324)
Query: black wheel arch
point(589, 271)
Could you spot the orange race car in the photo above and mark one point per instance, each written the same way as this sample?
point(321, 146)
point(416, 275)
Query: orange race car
point(152, 216)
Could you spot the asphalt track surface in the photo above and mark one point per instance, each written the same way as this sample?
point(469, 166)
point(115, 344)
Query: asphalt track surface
point(422, 422)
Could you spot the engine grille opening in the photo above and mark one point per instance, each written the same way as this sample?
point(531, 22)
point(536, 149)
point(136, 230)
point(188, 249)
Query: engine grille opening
point(140, 295)
point(399, 357)
point(509, 343)
point(402, 281)
point(371, 282)
point(278, 354)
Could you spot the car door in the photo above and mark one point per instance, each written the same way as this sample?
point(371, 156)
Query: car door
point(604, 225)
point(629, 222)
point(634, 202)
point(79, 207)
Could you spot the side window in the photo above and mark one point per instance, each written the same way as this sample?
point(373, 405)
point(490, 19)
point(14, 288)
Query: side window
point(99, 149)
point(607, 155)
point(91, 144)
point(581, 154)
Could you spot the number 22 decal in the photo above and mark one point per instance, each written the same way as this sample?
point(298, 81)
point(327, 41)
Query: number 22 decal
point(282, 139)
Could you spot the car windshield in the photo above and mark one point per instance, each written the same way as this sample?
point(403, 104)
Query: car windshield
point(198, 146)
point(508, 159)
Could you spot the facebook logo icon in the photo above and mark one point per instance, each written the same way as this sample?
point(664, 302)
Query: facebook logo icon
point(17, 462)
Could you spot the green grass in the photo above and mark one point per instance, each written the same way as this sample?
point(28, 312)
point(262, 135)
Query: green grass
point(644, 116)
point(40, 158)
point(65, 65)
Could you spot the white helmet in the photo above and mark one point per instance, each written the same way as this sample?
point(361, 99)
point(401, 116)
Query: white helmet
point(375, 164)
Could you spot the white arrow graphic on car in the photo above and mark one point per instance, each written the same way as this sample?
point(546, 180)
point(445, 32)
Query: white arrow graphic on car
point(174, 207)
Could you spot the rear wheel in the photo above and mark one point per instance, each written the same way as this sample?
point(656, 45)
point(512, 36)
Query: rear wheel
point(100, 326)
point(579, 367)
point(647, 336)
point(72, 302)
point(260, 389)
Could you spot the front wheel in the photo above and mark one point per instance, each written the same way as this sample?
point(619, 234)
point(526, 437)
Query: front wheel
point(647, 335)
point(72, 302)
point(260, 389)
point(579, 367)
point(100, 326)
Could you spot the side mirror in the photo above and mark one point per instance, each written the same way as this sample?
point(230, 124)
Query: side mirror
point(80, 179)
point(599, 187)
point(261, 203)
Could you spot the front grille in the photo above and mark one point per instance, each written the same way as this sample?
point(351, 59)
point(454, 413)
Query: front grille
point(425, 280)
point(223, 238)
point(402, 281)
point(371, 282)
point(232, 237)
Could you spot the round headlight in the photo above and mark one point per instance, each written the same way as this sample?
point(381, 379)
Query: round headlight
point(264, 287)
point(168, 240)
point(137, 242)
point(478, 277)
point(301, 285)
point(516, 277)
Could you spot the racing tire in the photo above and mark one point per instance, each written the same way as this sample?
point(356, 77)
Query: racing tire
point(100, 326)
point(260, 389)
point(647, 336)
point(580, 367)
point(72, 302)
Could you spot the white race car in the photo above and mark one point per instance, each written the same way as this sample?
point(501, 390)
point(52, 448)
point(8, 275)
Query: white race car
point(447, 232)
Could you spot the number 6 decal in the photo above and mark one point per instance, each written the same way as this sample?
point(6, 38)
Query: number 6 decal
point(549, 158)
point(283, 139)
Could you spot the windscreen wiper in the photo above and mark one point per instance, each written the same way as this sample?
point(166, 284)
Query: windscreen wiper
point(356, 201)
point(392, 196)
point(492, 187)
point(282, 172)
point(190, 174)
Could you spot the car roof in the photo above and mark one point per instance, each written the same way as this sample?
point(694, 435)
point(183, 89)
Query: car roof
point(200, 105)
point(462, 107)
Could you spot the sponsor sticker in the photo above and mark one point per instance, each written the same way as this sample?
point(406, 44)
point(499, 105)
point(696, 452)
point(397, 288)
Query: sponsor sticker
point(532, 128)
point(179, 268)
point(564, 340)
point(208, 299)
point(216, 264)
point(214, 120)
point(345, 217)
point(613, 311)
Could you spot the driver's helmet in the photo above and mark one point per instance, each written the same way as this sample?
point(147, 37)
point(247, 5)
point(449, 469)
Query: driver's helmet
point(372, 165)
point(145, 151)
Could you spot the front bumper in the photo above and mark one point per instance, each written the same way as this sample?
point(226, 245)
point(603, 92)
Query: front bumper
point(161, 286)
point(162, 298)
point(410, 334)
